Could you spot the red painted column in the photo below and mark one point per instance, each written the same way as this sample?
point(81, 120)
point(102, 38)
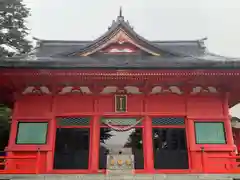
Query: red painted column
point(14, 124)
point(95, 140)
point(148, 144)
point(51, 136)
point(95, 143)
point(229, 134)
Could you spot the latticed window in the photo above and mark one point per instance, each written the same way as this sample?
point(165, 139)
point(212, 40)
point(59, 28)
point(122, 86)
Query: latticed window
point(167, 121)
point(73, 121)
point(32, 133)
point(210, 133)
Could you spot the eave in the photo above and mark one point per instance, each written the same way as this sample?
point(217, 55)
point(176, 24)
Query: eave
point(121, 63)
point(14, 79)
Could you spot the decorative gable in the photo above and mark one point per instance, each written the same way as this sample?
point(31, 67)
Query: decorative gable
point(119, 39)
point(119, 43)
point(124, 48)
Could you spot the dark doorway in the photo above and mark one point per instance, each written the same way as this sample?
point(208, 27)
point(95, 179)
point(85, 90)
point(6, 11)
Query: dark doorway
point(131, 139)
point(170, 148)
point(5, 124)
point(71, 148)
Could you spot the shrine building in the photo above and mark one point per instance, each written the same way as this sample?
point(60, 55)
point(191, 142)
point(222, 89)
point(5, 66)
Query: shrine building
point(166, 102)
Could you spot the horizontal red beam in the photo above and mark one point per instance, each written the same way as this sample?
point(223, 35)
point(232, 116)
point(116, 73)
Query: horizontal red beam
point(18, 157)
point(17, 171)
point(127, 114)
point(74, 71)
point(229, 157)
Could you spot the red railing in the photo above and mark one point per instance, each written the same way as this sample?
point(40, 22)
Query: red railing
point(10, 164)
point(20, 164)
point(220, 164)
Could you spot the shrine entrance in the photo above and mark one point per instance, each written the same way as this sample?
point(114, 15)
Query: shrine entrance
point(122, 141)
point(121, 144)
point(169, 143)
point(72, 143)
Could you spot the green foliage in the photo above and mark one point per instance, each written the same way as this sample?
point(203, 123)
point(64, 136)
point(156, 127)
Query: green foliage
point(134, 140)
point(105, 134)
point(5, 117)
point(5, 113)
point(13, 30)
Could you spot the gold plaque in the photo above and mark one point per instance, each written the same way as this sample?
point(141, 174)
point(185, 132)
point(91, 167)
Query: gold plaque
point(120, 103)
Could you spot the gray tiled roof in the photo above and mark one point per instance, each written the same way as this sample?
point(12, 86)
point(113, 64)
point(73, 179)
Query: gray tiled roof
point(179, 54)
point(194, 48)
point(48, 48)
point(54, 48)
point(65, 48)
point(124, 62)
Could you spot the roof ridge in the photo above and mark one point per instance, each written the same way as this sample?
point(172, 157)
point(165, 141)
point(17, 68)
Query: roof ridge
point(173, 41)
point(179, 41)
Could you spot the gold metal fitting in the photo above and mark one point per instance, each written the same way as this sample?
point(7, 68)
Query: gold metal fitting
point(128, 162)
point(112, 162)
point(120, 162)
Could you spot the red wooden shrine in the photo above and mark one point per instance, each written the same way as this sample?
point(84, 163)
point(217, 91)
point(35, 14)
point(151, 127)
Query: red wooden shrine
point(87, 82)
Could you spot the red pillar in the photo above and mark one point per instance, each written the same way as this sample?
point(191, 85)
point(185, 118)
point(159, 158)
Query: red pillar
point(148, 144)
point(228, 126)
point(95, 137)
point(94, 153)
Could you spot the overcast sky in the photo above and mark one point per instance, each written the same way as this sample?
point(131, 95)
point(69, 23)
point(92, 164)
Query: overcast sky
point(153, 19)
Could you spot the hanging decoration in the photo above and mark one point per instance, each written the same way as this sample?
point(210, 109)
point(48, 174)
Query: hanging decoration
point(108, 122)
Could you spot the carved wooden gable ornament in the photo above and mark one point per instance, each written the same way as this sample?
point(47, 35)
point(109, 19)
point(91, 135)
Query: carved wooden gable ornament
point(120, 43)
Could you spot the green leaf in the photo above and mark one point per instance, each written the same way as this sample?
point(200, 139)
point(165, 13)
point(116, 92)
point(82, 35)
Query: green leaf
point(13, 14)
